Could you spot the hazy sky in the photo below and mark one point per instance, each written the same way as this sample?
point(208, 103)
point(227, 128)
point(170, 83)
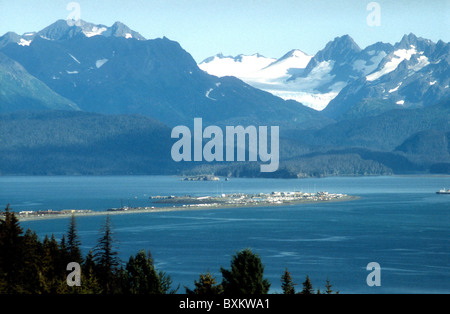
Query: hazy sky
point(272, 28)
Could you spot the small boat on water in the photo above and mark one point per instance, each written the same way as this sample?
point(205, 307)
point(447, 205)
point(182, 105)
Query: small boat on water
point(443, 191)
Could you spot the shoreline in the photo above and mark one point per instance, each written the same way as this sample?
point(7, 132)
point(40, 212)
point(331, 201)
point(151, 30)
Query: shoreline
point(192, 207)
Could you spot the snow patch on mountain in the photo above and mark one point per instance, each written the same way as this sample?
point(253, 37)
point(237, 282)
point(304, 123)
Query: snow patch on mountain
point(241, 66)
point(422, 62)
point(284, 67)
point(396, 88)
point(100, 63)
point(209, 92)
point(397, 57)
point(95, 31)
point(317, 101)
point(75, 59)
point(367, 67)
point(24, 42)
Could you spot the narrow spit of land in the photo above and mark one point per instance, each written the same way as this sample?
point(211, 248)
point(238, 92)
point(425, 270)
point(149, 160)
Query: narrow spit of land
point(187, 202)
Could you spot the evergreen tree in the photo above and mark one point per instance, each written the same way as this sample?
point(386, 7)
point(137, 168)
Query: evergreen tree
point(88, 264)
point(53, 270)
point(328, 286)
point(11, 253)
point(307, 287)
point(141, 276)
point(286, 283)
point(207, 285)
point(32, 262)
point(245, 275)
point(64, 255)
point(166, 283)
point(73, 243)
point(107, 261)
point(89, 281)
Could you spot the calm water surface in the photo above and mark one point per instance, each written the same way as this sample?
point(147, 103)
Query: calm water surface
point(399, 222)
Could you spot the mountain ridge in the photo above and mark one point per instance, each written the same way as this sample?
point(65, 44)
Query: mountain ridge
point(414, 74)
point(157, 78)
point(388, 111)
point(63, 30)
point(335, 73)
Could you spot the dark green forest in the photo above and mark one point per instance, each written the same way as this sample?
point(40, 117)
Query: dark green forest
point(81, 143)
point(29, 265)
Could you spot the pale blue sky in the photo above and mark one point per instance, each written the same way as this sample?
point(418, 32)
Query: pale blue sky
point(272, 28)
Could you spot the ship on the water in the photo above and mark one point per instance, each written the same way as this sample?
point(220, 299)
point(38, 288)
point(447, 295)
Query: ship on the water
point(443, 191)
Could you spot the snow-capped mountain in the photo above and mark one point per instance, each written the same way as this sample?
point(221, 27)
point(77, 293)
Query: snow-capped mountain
point(116, 70)
point(61, 30)
point(415, 73)
point(312, 80)
point(100, 70)
point(341, 62)
point(268, 74)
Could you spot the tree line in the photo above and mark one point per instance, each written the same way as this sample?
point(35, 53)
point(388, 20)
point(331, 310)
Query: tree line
point(31, 266)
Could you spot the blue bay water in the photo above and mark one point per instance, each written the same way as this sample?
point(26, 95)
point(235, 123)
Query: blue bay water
point(399, 222)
